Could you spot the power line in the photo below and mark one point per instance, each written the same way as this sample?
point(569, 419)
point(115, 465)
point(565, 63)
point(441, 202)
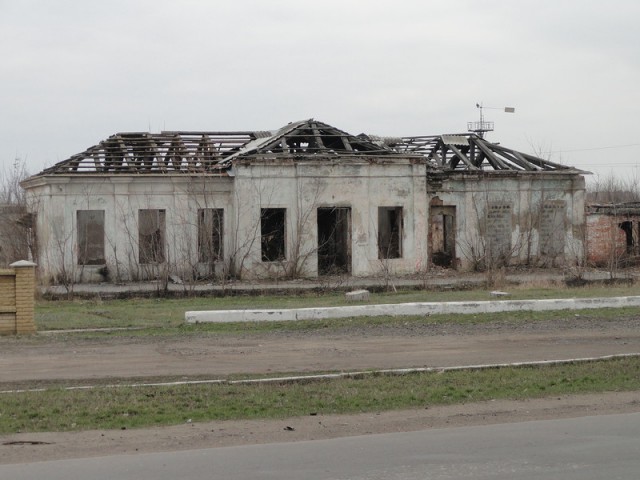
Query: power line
point(621, 162)
point(596, 148)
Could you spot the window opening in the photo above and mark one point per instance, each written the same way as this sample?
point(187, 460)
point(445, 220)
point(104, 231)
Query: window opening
point(151, 236)
point(210, 234)
point(389, 232)
point(90, 225)
point(552, 230)
point(498, 232)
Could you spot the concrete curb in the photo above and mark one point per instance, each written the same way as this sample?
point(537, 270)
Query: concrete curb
point(422, 308)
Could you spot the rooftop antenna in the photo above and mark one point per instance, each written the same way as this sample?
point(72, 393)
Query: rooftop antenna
point(481, 127)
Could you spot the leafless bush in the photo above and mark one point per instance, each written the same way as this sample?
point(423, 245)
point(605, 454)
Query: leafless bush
point(612, 189)
point(332, 282)
point(17, 241)
point(11, 193)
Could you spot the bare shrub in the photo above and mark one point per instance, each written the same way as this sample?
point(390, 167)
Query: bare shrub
point(611, 189)
point(17, 241)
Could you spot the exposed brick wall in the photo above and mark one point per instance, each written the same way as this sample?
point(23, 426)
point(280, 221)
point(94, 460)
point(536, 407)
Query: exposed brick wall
point(17, 303)
point(605, 239)
point(7, 302)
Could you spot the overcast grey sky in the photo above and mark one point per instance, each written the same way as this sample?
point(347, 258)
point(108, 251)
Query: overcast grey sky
point(75, 72)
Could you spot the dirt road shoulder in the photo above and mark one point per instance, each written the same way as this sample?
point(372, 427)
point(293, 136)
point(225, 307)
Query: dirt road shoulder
point(27, 447)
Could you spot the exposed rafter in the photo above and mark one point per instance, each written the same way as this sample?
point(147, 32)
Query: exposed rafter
point(215, 152)
point(310, 137)
point(180, 152)
point(471, 152)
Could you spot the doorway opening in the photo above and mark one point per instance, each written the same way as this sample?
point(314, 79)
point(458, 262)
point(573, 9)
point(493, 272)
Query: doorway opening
point(334, 240)
point(631, 239)
point(443, 235)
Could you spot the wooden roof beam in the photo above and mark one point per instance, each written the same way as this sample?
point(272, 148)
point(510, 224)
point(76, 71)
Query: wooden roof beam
point(516, 157)
point(519, 160)
point(493, 159)
point(318, 138)
point(435, 156)
point(462, 157)
point(545, 164)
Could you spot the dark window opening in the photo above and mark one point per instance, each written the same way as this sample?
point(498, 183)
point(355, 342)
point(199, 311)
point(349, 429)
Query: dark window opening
point(389, 232)
point(90, 224)
point(334, 240)
point(151, 232)
point(272, 234)
point(210, 234)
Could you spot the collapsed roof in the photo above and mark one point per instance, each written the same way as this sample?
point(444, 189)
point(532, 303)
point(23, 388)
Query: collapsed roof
point(472, 152)
point(615, 209)
point(215, 152)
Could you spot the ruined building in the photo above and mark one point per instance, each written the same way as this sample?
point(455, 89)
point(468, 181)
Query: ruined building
point(302, 201)
point(613, 234)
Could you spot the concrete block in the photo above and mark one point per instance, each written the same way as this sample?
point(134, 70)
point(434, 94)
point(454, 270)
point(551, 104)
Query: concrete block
point(497, 293)
point(426, 308)
point(357, 296)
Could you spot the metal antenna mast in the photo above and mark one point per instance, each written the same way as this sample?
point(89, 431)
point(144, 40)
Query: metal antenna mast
point(481, 127)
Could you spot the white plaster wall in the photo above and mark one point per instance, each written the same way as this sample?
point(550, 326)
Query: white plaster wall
point(525, 193)
point(305, 186)
point(56, 200)
point(300, 187)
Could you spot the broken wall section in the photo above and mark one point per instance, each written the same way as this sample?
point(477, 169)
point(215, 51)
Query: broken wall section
point(613, 235)
point(506, 218)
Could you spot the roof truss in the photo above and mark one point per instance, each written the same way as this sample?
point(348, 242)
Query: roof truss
point(471, 152)
point(310, 137)
point(187, 152)
point(214, 152)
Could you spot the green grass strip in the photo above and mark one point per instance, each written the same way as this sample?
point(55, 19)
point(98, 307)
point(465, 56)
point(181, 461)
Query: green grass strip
point(142, 328)
point(128, 407)
point(163, 312)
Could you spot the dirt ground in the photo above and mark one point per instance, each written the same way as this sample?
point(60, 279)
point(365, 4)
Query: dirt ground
point(27, 362)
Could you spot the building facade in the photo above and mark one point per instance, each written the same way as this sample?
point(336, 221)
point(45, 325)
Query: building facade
point(304, 201)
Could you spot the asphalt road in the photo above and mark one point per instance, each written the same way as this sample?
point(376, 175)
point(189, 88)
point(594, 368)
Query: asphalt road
point(586, 448)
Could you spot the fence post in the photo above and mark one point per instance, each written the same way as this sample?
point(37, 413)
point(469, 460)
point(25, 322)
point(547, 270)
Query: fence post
point(25, 296)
